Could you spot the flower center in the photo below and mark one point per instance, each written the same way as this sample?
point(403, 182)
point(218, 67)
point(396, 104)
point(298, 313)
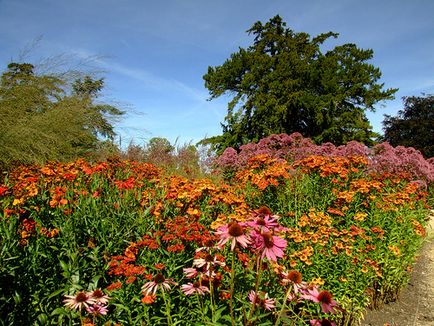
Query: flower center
point(264, 211)
point(81, 297)
point(294, 276)
point(268, 239)
point(260, 221)
point(97, 293)
point(159, 278)
point(209, 258)
point(325, 297)
point(235, 230)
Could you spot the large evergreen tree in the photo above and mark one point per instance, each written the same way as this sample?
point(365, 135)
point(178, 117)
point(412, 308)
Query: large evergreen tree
point(284, 83)
point(413, 126)
point(42, 117)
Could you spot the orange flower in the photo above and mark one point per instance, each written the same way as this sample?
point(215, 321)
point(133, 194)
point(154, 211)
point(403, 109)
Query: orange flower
point(149, 299)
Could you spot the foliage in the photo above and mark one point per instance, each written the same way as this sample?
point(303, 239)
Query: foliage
point(382, 158)
point(413, 126)
point(185, 159)
point(284, 83)
point(41, 121)
point(212, 251)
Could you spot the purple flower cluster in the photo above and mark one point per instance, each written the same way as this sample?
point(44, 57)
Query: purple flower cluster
point(382, 158)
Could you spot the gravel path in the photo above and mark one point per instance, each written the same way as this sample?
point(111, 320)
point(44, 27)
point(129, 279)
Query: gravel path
point(415, 306)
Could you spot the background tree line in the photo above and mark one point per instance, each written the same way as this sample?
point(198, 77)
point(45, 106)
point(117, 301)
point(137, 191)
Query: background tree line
point(283, 83)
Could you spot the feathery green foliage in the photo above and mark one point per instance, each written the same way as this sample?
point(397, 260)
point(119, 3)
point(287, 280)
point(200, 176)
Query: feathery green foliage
point(44, 118)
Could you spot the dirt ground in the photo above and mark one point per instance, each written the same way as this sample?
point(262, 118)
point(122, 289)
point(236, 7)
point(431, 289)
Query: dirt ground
point(415, 305)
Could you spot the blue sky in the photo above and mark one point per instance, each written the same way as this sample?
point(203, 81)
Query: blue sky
point(153, 54)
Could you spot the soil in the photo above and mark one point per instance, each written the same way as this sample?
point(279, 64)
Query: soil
point(415, 304)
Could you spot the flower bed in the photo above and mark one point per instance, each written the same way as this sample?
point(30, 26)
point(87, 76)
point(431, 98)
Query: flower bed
point(311, 241)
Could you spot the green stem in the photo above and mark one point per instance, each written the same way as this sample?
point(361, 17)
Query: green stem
point(258, 278)
point(231, 300)
point(201, 307)
point(167, 304)
point(285, 299)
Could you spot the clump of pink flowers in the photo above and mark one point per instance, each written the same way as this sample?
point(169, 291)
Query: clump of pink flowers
point(94, 302)
point(260, 233)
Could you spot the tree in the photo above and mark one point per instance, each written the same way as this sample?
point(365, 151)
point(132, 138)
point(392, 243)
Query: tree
point(413, 126)
point(283, 83)
point(46, 118)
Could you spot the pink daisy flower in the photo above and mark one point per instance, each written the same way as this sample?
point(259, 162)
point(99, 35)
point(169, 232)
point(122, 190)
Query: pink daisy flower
point(264, 221)
point(235, 233)
point(190, 272)
point(261, 299)
point(324, 298)
point(97, 309)
point(192, 288)
point(99, 296)
point(78, 301)
point(208, 261)
point(158, 282)
point(271, 246)
point(324, 322)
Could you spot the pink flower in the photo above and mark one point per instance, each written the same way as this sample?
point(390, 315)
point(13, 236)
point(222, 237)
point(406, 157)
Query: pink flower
point(192, 288)
point(261, 299)
point(208, 261)
point(78, 301)
point(99, 296)
point(97, 309)
point(264, 223)
point(324, 322)
point(324, 298)
point(190, 272)
point(271, 246)
point(158, 282)
point(235, 233)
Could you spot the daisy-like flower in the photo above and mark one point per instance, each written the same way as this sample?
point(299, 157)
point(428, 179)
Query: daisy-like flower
point(192, 288)
point(324, 298)
point(99, 296)
point(324, 322)
point(208, 260)
point(159, 281)
point(190, 272)
point(234, 232)
point(262, 299)
point(78, 301)
point(271, 246)
point(295, 278)
point(97, 309)
point(264, 221)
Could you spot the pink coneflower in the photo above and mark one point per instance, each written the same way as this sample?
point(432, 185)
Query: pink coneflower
point(99, 296)
point(295, 278)
point(271, 246)
point(324, 322)
point(190, 272)
point(235, 232)
point(97, 309)
point(78, 301)
point(324, 298)
point(192, 288)
point(261, 299)
point(158, 282)
point(264, 221)
point(208, 260)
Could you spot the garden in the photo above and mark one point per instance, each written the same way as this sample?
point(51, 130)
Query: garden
point(281, 232)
